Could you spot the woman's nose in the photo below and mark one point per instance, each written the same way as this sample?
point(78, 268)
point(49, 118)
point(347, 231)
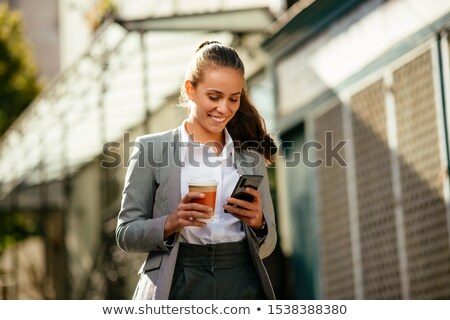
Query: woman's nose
point(222, 105)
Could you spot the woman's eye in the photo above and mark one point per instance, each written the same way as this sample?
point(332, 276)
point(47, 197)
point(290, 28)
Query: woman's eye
point(233, 100)
point(213, 98)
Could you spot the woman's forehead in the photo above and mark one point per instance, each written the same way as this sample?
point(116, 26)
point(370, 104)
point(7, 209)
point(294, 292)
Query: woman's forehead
point(222, 78)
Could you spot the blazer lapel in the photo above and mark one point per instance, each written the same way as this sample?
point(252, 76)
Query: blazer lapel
point(174, 179)
point(243, 165)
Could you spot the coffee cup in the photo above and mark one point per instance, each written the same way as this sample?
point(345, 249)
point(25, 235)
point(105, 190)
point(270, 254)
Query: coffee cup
point(207, 186)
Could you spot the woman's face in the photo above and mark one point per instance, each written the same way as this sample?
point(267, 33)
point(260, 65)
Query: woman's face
point(213, 102)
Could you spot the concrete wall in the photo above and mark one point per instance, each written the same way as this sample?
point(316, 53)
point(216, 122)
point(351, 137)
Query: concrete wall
point(83, 227)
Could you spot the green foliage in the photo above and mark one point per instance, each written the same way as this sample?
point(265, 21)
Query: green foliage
point(16, 227)
point(19, 83)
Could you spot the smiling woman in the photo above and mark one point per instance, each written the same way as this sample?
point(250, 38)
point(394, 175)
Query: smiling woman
point(213, 103)
point(220, 65)
point(189, 258)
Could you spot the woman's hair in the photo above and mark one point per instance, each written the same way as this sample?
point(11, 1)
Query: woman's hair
point(247, 127)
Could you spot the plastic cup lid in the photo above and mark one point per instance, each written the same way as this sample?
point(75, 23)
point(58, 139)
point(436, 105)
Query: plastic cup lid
point(201, 182)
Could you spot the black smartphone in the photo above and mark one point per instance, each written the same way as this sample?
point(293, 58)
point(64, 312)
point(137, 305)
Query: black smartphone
point(246, 181)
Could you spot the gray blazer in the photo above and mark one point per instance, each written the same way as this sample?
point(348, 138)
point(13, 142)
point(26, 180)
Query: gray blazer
point(152, 191)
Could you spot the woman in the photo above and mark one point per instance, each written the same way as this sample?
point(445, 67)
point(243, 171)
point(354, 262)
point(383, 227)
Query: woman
point(223, 137)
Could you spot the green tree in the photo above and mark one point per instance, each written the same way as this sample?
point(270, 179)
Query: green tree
point(19, 82)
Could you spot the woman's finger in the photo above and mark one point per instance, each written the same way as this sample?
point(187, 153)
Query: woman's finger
point(191, 196)
point(194, 215)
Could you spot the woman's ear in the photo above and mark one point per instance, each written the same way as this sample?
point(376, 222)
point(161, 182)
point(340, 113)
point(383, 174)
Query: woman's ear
point(189, 89)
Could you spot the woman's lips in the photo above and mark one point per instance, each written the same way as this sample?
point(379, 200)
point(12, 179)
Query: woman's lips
point(217, 119)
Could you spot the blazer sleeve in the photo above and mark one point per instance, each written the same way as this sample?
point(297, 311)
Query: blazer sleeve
point(266, 245)
point(137, 229)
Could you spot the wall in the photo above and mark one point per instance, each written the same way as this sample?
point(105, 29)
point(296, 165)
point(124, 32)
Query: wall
point(380, 220)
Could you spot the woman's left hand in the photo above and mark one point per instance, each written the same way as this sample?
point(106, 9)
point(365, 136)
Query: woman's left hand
point(248, 212)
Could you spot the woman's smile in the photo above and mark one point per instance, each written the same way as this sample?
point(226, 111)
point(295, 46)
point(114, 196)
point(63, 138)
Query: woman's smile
point(217, 119)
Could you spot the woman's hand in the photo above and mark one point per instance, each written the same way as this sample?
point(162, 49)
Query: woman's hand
point(186, 214)
point(248, 212)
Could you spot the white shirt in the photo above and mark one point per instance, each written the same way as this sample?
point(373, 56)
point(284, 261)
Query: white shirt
point(200, 160)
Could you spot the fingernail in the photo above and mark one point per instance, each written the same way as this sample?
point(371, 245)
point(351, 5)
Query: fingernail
point(202, 195)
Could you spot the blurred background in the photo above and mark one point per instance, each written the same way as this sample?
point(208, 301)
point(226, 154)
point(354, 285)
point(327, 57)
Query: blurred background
point(80, 79)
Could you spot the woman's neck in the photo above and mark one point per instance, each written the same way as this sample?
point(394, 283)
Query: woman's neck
point(215, 141)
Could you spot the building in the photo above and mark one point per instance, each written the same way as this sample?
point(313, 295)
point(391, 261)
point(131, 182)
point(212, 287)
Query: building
point(42, 32)
point(362, 91)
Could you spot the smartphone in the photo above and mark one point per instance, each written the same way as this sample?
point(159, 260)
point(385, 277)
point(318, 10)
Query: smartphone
point(246, 181)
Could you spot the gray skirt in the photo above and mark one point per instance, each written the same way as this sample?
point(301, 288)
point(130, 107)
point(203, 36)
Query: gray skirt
point(215, 272)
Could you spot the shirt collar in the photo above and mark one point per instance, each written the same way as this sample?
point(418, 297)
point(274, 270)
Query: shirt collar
point(186, 140)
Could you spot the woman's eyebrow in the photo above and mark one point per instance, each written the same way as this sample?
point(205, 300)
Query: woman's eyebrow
point(220, 92)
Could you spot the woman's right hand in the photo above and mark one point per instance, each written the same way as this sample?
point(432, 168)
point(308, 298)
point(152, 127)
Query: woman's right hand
point(186, 214)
